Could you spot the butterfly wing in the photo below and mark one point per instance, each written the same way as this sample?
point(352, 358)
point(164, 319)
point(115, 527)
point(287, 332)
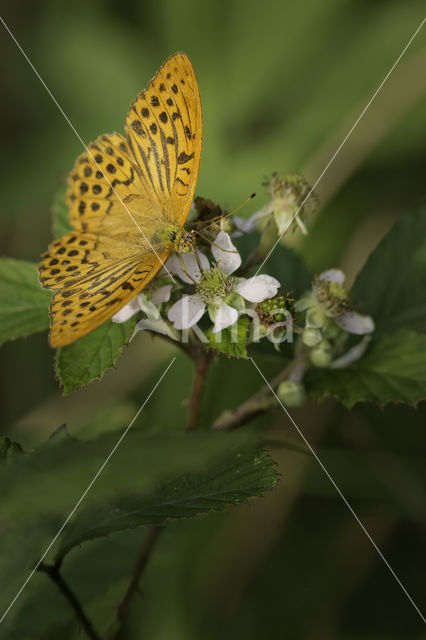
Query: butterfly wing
point(164, 131)
point(91, 289)
point(120, 191)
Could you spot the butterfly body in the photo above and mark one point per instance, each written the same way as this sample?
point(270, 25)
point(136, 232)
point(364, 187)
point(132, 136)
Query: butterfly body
point(129, 197)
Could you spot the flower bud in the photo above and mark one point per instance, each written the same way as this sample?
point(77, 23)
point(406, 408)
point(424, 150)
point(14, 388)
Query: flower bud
point(291, 393)
point(321, 355)
point(331, 330)
point(315, 317)
point(311, 337)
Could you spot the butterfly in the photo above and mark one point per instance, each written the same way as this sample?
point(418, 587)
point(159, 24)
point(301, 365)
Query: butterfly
point(128, 199)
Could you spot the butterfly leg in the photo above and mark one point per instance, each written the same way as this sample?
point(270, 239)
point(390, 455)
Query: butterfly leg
point(184, 268)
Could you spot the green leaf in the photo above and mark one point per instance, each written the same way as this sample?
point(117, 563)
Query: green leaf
point(139, 463)
point(233, 340)
point(23, 303)
point(393, 370)
point(60, 215)
point(87, 359)
point(234, 480)
point(391, 286)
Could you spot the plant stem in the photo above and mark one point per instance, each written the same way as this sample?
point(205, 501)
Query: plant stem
point(202, 359)
point(140, 564)
point(53, 572)
point(256, 405)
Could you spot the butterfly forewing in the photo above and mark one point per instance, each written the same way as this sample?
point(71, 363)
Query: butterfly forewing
point(105, 190)
point(164, 131)
point(121, 190)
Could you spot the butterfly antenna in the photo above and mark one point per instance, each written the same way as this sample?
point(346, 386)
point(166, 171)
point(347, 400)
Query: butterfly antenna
point(240, 206)
point(231, 213)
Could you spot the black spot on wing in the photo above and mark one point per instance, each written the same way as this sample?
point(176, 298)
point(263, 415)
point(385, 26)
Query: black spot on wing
point(184, 157)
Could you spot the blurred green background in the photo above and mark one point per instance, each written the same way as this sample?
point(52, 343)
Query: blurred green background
point(281, 84)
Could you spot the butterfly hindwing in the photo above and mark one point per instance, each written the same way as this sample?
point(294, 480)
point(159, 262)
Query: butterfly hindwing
point(84, 303)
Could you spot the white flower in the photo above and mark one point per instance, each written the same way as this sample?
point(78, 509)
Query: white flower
point(352, 355)
point(153, 320)
point(328, 299)
point(215, 287)
point(349, 320)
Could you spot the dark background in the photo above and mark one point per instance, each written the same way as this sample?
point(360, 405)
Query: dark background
point(281, 83)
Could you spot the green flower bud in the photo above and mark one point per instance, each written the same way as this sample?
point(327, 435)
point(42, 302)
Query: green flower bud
point(331, 330)
point(311, 337)
point(315, 317)
point(321, 355)
point(291, 393)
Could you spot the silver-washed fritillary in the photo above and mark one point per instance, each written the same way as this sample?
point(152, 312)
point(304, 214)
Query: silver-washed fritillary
point(129, 197)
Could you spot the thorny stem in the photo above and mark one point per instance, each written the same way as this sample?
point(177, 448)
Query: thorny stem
point(139, 567)
point(256, 405)
point(202, 359)
point(54, 574)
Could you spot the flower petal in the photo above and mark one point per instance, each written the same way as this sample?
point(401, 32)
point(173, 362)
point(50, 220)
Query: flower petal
point(157, 326)
point(248, 224)
point(225, 254)
point(186, 312)
point(174, 265)
point(226, 317)
point(162, 294)
point(332, 275)
point(258, 288)
point(352, 355)
point(354, 322)
point(127, 311)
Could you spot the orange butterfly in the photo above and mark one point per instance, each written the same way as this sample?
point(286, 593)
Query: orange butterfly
point(129, 197)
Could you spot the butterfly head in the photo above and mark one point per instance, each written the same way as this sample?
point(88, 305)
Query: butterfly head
point(184, 241)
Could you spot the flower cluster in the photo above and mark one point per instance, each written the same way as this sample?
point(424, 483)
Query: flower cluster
point(217, 291)
point(329, 318)
point(203, 292)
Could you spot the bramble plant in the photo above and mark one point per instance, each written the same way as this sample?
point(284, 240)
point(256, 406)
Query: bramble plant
point(366, 344)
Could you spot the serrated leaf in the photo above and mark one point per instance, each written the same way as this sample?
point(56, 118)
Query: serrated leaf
point(87, 359)
point(60, 214)
point(140, 463)
point(233, 340)
point(391, 286)
point(234, 480)
point(393, 370)
point(24, 305)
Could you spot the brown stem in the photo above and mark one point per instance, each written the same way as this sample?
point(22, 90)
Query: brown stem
point(202, 359)
point(53, 572)
point(140, 564)
point(256, 405)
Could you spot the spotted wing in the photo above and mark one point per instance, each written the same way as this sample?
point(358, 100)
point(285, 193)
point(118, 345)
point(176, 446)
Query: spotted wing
point(107, 195)
point(164, 131)
point(92, 284)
